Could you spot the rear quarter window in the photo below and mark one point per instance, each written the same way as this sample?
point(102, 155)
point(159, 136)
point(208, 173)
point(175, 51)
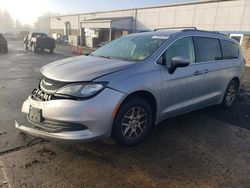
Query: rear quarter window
point(230, 49)
point(207, 49)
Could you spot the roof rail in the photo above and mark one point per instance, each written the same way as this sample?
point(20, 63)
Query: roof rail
point(215, 32)
point(190, 28)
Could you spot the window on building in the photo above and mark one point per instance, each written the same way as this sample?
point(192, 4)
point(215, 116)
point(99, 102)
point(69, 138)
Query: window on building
point(182, 48)
point(207, 49)
point(67, 28)
point(230, 50)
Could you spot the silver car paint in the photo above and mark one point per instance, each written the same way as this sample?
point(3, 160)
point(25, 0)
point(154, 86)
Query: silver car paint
point(82, 68)
point(96, 113)
point(175, 94)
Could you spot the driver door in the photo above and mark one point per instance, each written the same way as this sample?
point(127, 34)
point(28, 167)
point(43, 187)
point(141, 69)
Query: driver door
point(175, 94)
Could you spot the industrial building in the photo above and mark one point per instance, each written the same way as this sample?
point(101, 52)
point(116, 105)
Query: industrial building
point(89, 29)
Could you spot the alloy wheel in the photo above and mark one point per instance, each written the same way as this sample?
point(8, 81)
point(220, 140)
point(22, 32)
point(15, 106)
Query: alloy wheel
point(231, 94)
point(134, 122)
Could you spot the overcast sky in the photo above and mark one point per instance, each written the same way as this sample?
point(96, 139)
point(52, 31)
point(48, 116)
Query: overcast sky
point(27, 11)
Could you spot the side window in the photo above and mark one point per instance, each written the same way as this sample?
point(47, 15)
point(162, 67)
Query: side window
point(207, 49)
point(183, 48)
point(230, 50)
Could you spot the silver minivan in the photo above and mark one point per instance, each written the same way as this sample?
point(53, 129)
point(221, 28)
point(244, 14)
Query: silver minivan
point(129, 85)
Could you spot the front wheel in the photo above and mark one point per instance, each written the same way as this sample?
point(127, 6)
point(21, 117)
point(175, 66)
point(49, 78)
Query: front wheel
point(132, 122)
point(25, 47)
point(34, 49)
point(230, 94)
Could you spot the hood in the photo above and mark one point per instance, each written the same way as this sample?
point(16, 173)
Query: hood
point(83, 68)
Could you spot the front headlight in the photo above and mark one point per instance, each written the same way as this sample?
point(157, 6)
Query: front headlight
point(81, 90)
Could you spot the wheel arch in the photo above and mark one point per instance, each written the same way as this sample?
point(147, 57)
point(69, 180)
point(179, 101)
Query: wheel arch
point(145, 95)
point(237, 80)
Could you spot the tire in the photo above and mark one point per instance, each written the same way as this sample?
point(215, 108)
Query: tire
point(128, 128)
point(26, 47)
point(51, 51)
point(34, 49)
point(230, 94)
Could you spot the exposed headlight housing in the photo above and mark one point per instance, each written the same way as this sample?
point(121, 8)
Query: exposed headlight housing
point(83, 90)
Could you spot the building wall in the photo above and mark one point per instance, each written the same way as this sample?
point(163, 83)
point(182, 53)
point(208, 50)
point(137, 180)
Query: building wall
point(61, 31)
point(109, 14)
point(221, 16)
point(58, 23)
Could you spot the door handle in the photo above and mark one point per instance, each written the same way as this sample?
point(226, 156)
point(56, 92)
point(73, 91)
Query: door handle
point(196, 73)
point(205, 71)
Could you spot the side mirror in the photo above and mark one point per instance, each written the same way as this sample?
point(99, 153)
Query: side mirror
point(178, 62)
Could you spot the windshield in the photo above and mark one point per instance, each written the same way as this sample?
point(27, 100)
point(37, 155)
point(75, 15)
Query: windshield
point(131, 48)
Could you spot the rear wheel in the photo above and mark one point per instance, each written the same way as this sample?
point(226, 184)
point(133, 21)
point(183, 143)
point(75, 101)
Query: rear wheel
point(132, 122)
point(34, 49)
point(230, 94)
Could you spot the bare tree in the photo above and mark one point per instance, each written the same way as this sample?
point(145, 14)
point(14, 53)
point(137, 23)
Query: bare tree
point(18, 25)
point(6, 21)
point(43, 22)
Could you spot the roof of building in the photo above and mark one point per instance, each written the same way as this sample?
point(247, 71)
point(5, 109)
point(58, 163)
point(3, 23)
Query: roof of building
point(149, 7)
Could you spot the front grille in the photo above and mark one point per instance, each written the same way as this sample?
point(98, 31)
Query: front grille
point(50, 86)
point(40, 95)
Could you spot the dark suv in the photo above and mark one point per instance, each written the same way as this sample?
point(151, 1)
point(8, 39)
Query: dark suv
point(3, 44)
point(39, 41)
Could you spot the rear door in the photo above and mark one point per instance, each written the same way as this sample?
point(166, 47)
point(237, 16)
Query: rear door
point(210, 72)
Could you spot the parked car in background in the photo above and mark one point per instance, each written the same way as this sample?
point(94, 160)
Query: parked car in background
point(39, 41)
point(10, 36)
point(3, 44)
point(127, 86)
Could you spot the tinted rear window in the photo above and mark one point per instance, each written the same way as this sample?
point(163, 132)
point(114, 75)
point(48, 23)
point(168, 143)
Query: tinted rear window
point(230, 49)
point(207, 49)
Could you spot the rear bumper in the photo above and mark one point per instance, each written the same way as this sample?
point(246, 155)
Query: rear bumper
point(45, 47)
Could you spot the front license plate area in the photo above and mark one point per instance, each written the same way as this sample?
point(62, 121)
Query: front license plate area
point(35, 115)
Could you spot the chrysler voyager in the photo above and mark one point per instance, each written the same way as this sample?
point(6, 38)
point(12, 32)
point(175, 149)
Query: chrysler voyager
point(127, 86)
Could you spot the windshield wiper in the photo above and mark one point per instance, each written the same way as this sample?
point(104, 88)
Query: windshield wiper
point(107, 57)
point(112, 57)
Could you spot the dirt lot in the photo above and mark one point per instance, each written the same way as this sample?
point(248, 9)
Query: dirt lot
point(206, 148)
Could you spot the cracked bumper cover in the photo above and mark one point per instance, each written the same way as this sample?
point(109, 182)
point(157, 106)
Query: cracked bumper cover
point(95, 114)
